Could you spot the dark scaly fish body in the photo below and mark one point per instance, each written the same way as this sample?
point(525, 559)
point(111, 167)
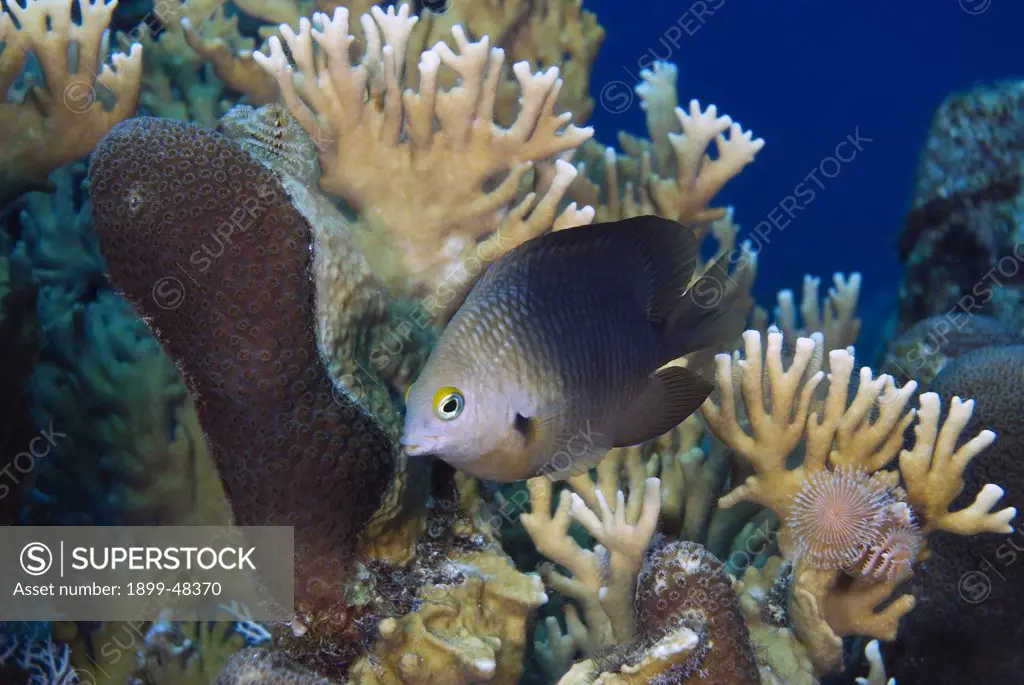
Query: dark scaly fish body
point(553, 358)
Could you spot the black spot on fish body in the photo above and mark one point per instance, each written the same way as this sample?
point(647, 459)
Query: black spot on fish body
point(524, 426)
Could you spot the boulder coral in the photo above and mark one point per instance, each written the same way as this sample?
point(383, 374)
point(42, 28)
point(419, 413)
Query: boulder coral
point(262, 392)
point(690, 628)
point(965, 627)
point(961, 242)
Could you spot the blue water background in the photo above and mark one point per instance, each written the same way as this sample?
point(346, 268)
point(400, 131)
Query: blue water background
point(803, 75)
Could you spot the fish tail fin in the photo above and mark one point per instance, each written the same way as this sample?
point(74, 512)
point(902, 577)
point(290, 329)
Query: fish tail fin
point(713, 309)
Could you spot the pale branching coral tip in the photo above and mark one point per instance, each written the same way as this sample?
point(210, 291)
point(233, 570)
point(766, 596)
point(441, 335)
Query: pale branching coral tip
point(834, 512)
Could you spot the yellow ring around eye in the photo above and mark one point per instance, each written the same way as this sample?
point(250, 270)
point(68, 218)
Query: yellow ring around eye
point(407, 391)
point(448, 403)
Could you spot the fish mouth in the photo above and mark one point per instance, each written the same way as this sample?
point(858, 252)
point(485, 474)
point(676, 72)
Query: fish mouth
point(420, 446)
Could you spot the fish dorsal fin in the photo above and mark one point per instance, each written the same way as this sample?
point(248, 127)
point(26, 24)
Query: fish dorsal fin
point(672, 394)
point(652, 257)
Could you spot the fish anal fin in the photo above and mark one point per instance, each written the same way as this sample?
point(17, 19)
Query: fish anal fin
point(673, 394)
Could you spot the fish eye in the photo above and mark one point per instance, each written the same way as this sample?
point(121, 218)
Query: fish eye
point(448, 403)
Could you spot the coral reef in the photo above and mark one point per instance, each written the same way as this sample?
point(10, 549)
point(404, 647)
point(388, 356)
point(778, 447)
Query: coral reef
point(280, 261)
point(359, 111)
point(846, 450)
point(61, 121)
point(960, 245)
point(471, 631)
point(262, 393)
point(672, 175)
point(965, 626)
point(690, 628)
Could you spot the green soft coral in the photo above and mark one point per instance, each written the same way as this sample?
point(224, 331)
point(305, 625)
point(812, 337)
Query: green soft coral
point(127, 445)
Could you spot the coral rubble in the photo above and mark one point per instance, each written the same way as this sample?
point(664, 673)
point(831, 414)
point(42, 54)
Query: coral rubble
point(471, 631)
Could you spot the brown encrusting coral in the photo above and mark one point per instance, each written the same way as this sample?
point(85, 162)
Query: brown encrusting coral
point(205, 243)
point(371, 343)
point(684, 584)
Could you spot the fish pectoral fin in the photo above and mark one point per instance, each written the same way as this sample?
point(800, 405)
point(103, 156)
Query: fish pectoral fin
point(562, 449)
point(673, 393)
point(571, 453)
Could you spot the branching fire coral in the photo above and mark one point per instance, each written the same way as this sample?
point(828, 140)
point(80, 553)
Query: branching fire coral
point(81, 100)
point(454, 183)
point(839, 581)
point(835, 317)
point(196, 58)
point(673, 177)
point(607, 608)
